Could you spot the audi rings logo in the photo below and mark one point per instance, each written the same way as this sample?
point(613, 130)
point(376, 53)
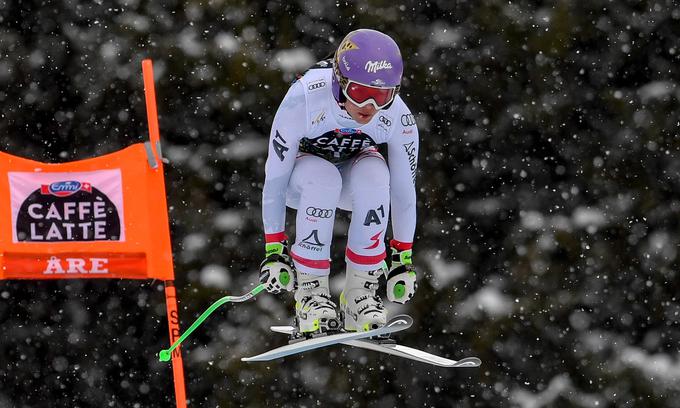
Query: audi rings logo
point(316, 85)
point(386, 121)
point(408, 120)
point(319, 212)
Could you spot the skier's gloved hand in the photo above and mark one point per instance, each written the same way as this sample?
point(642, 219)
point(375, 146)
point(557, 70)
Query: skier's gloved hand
point(276, 271)
point(401, 278)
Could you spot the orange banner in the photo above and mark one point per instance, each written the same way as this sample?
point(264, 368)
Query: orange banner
point(104, 217)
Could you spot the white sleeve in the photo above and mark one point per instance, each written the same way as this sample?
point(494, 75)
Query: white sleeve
point(286, 132)
point(402, 150)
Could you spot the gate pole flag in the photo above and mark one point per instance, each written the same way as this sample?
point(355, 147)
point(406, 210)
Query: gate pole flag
point(104, 217)
point(170, 293)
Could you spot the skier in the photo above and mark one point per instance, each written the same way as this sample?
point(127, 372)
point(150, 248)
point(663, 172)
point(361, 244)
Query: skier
point(322, 156)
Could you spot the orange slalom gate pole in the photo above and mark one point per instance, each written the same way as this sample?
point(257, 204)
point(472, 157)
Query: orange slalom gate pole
point(150, 97)
point(170, 292)
point(173, 327)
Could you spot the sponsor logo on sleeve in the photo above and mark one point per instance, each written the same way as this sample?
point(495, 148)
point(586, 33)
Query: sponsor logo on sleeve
point(316, 85)
point(278, 143)
point(408, 120)
point(411, 152)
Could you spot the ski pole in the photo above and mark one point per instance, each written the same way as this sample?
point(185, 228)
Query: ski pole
point(165, 354)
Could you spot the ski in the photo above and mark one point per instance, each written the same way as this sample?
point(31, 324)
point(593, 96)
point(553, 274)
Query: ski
point(395, 324)
point(414, 354)
point(390, 347)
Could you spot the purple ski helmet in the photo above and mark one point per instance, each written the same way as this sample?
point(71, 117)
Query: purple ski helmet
point(367, 57)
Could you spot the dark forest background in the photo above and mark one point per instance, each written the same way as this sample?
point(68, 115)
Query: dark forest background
point(547, 242)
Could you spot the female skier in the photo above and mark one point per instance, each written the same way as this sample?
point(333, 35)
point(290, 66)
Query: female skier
point(322, 156)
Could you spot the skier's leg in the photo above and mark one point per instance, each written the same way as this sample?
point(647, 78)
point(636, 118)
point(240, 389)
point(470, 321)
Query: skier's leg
point(369, 189)
point(318, 183)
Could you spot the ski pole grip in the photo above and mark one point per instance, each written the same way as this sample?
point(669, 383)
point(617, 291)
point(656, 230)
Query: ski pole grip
point(165, 354)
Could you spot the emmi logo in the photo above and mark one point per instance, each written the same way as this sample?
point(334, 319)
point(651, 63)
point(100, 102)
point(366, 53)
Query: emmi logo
point(76, 266)
point(65, 188)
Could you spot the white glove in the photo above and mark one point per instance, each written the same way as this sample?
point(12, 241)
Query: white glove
point(401, 278)
point(276, 271)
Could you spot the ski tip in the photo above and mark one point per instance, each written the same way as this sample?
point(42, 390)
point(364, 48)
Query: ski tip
point(403, 319)
point(282, 329)
point(469, 362)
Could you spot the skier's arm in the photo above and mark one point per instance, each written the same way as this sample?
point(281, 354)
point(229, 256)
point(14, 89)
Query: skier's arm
point(286, 131)
point(403, 161)
point(276, 271)
point(402, 150)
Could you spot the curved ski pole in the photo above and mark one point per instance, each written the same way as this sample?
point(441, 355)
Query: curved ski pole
point(165, 354)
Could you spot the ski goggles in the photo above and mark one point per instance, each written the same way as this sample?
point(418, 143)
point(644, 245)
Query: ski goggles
point(361, 95)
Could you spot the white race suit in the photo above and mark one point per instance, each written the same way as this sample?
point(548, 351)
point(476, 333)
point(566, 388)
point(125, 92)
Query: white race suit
point(320, 159)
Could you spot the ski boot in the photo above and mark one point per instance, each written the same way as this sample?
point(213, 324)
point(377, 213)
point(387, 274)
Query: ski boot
point(315, 313)
point(360, 307)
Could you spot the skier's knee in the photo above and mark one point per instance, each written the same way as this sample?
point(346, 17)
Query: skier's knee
point(370, 173)
point(327, 178)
